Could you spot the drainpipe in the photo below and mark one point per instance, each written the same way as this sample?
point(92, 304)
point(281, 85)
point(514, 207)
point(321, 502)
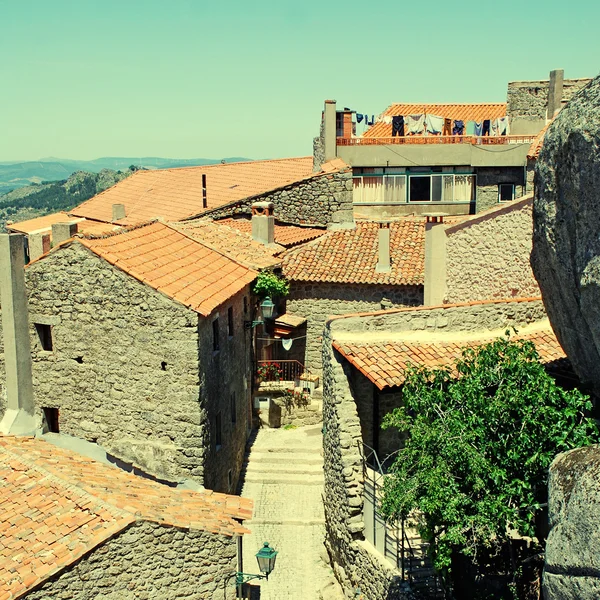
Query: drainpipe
point(435, 260)
point(19, 418)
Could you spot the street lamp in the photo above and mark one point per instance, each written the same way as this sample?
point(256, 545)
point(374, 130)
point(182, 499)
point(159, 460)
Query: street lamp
point(267, 308)
point(266, 557)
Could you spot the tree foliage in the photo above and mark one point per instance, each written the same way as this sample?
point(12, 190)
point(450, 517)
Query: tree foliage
point(270, 284)
point(478, 446)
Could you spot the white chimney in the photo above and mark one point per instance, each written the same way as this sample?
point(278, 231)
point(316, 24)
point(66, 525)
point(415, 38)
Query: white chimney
point(263, 222)
point(383, 243)
point(118, 212)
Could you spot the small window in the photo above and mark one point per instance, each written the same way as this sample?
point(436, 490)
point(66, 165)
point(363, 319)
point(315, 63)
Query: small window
point(51, 418)
point(245, 305)
point(215, 326)
point(230, 321)
point(218, 431)
point(44, 335)
point(506, 192)
point(233, 407)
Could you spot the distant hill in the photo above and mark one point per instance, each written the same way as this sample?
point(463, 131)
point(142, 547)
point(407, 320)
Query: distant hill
point(14, 174)
point(37, 200)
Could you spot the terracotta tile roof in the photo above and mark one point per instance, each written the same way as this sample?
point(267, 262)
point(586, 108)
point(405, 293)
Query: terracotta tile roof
point(464, 112)
point(174, 264)
point(232, 242)
point(536, 145)
point(174, 194)
point(44, 224)
point(384, 363)
point(56, 505)
point(285, 235)
point(350, 255)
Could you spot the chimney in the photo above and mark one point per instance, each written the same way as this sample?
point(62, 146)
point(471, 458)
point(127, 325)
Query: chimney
point(330, 141)
point(118, 212)
point(204, 200)
point(19, 418)
point(39, 243)
point(62, 232)
point(555, 92)
point(435, 260)
point(383, 261)
point(263, 222)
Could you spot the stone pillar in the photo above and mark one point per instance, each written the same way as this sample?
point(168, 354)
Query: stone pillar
point(62, 232)
point(435, 260)
point(263, 222)
point(383, 262)
point(555, 92)
point(330, 130)
point(118, 212)
point(19, 416)
point(39, 243)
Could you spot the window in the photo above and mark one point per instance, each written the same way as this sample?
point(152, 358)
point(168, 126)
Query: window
point(230, 321)
point(215, 326)
point(506, 192)
point(218, 431)
point(44, 335)
point(245, 305)
point(233, 408)
point(51, 418)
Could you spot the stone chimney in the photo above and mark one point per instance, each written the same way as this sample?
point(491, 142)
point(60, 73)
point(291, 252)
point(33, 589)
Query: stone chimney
point(383, 261)
point(19, 418)
point(330, 141)
point(435, 260)
point(118, 212)
point(555, 92)
point(62, 232)
point(39, 243)
point(263, 222)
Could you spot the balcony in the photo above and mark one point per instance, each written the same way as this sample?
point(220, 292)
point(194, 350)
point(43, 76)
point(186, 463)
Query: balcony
point(437, 139)
point(273, 371)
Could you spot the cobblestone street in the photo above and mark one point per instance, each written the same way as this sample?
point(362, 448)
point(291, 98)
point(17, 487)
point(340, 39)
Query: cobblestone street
point(284, 477)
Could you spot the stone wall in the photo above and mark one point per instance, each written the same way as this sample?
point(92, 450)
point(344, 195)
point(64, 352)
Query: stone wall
point(488, 179)
point(134, 371)
point(316, 302)
point(487, 257)
point(318, 200)
point(148, 560)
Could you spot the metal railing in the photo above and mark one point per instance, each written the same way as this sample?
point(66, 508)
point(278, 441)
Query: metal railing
point(438, 139)
point(279, 370)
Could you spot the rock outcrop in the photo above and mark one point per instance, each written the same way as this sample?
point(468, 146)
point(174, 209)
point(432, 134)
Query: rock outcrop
point(566, 240)
point(572, 568)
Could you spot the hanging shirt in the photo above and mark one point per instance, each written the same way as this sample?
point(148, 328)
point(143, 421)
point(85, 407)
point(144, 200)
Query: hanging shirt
point(447, 127)
point(359, 118)
point(485, 130)
point(434, 124)
point(459, 127)
point(478, 127)
point(415, 124)
point(397, 126)
point(503, 126)
point(494, 127)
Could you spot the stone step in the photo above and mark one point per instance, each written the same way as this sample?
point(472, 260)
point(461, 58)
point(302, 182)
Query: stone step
point(274, 458)
point(295, 469)
point(284, 478)
point(288, 451)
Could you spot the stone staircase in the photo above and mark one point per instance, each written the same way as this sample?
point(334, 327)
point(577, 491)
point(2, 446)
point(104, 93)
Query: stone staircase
point(425, 582)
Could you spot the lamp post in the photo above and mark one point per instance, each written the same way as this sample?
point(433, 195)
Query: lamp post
point(267, 308)
point(265, 557)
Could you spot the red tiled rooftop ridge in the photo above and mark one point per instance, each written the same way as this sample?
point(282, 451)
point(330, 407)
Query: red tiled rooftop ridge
point(351, 255)
point(461, 112)
point(176, 265)
point(56, 505)
point(384, 363)
point(175, 194)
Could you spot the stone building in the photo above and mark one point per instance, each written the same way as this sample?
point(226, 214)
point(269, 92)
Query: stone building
point(73, 527)
point(138, 343)
point(364, 359)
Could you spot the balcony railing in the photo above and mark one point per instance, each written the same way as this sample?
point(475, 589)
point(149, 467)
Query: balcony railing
point(279, 370)
point(438, 139)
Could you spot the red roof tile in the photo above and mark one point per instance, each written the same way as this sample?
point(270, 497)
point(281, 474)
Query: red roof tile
point(285, 235)
point(174, 194)
point(196, 275)
point(56, 505)
point(536, 145)
point(351, 255)
point(44, 225)
point(462, 112)
point(384, 363)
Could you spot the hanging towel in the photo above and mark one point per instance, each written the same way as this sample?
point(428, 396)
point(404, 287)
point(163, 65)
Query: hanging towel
point(478, 127)
point(415, 124)
point(397, 126)
point(485, 130)
point(503, 126)
point(470, 128)
point(447, 127)
point(459, 127)
point(287, 343)
point(435, 124)
point(359, 118)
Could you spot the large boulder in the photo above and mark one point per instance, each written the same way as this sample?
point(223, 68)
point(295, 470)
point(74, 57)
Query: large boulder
point(566, 237)
point(572, 570)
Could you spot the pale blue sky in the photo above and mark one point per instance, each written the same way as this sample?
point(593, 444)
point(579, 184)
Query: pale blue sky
point(190, 78)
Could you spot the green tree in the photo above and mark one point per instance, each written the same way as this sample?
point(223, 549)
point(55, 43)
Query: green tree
point(479, 441)
point(270, 284)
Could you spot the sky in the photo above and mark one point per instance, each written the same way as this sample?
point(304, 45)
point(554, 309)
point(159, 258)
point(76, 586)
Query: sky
point(83, 79)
